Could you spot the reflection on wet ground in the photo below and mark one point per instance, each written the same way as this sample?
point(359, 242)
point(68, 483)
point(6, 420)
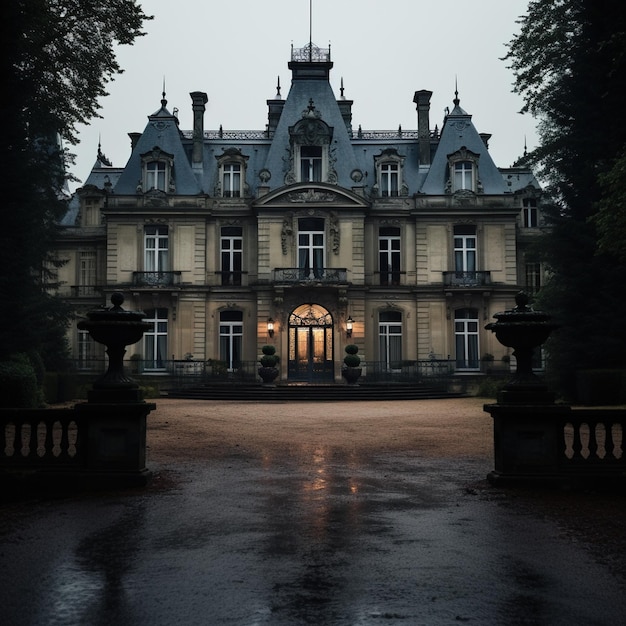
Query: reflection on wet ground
point(309, 535)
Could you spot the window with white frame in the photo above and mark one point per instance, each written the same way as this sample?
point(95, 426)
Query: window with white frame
point(155, 175)
point(530, 213)
point(155, 339)
point(389, 179)
point(156, 249)
point(390, 339)
point(311, 248)
point(231, 180)
point(465, 249)
point(463, 175)
point(231, 250)
point(466, 339)
point(86, 350)
point(87, 272)
point(389, 255)
point(231, 338)
point(158, 167)
point(533, 277)
point(310, 164)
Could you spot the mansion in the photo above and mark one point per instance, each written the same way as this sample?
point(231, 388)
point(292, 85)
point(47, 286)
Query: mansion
point(308, 235)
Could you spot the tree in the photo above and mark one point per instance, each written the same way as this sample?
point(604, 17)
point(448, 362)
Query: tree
point(569, 62)
point(57, 58)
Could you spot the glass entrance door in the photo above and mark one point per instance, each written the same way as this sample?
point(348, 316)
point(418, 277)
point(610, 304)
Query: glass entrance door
point(310, 344)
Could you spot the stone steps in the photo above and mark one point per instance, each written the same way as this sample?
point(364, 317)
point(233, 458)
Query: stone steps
point(309, 392)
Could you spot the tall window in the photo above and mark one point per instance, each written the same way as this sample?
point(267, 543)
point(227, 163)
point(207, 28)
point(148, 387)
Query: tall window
point(156, 249)
point(231, 337)
point(390, 338)
point(463, 175)
point(231, 246)
point(530, 213)
point(466, 338)
point(310, 164)
point(155, 339)
point(533, 277)
point(231, 180)
point(311, 247)
point(389, 255)
point(465, 248)
point(87, 273)
point(389, 177)
point(155, 175)
point(86, 350)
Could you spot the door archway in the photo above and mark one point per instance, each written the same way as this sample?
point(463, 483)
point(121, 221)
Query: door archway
point(311, 344)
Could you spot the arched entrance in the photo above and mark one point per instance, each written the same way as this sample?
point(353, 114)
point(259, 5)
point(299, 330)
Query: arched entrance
point(311, 344)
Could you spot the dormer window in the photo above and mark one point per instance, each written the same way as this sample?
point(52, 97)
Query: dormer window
point(232, 174)
point(530, 213)
point(389, 179)
point(310, 150)
point(231, 180)
point(463, 175)
point(390, 175)
point(158, 171)
point(463, 171)
point(310, 164)
point(155, 175)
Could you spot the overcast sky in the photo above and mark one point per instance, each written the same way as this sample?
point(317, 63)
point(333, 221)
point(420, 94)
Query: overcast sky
point(384, 50)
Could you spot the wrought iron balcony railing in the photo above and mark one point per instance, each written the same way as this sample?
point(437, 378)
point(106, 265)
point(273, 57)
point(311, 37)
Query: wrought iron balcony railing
point(466, 279)
point(325, 275)
point(85, 291)
point(156, 279)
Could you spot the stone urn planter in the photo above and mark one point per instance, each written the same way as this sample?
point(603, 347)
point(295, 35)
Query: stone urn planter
point(268, 370)
point(351, 370)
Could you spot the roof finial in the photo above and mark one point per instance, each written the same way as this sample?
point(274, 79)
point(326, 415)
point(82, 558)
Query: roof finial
point(456, 93)
point(525, 147)
point(341, 89)
point(310, 29)
point(163, 100)
point(278, 96)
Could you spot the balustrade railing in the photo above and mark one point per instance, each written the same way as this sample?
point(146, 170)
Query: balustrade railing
point(326, 275)
point(156, 279)
point(466, 279)
point(593, 440)
point(40, 438)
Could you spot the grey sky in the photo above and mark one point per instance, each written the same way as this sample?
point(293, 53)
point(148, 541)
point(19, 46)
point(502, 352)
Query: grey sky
point(383, 50)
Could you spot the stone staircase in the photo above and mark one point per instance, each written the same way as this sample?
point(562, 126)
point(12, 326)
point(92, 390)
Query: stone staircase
point(309, 392)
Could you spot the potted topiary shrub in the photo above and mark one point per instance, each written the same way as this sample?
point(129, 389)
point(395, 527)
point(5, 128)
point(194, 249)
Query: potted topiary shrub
point(268, 370)
point(351, 370)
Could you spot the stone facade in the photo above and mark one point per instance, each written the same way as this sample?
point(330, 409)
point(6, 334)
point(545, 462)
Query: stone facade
point(414, 235)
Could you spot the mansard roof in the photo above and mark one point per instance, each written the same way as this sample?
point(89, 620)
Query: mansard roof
point(460, 134)
point(162, 133)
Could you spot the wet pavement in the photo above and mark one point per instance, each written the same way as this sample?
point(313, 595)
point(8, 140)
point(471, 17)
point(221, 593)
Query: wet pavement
point(300, 534)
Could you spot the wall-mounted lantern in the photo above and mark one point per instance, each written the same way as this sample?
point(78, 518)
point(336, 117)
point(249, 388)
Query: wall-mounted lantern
point(270, 326)
point(349, 325)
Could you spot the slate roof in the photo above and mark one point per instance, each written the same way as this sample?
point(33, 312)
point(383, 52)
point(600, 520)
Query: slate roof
point(349, 150)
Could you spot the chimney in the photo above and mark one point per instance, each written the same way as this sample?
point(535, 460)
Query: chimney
point(198, 100)
point(274, 111)
point(422, 100)
point(134, 138)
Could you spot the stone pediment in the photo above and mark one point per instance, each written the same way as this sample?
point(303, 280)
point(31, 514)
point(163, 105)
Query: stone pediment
point(318, 194)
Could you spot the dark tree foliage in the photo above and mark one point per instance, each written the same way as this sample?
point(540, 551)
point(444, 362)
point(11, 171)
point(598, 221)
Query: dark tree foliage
point(569, 62)
point(57, 58)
